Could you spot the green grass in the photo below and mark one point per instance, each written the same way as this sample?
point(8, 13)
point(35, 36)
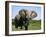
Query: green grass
point(33, 25)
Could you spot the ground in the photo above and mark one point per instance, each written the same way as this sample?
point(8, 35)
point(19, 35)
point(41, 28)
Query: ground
point(33, 25)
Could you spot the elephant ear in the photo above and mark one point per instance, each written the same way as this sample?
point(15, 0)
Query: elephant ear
point(22, 12)
point(33, 14)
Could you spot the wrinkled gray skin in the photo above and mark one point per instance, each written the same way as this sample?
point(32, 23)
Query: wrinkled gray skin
point(23, 18)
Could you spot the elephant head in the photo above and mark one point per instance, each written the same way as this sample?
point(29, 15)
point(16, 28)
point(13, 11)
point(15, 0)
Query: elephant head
point(27, 13)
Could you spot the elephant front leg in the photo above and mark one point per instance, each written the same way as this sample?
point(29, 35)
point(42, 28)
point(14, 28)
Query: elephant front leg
point(26, 27)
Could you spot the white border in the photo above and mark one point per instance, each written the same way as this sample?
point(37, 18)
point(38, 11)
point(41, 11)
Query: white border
point(29, 31)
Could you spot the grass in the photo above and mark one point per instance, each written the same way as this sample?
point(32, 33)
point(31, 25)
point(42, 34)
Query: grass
point(33, 25)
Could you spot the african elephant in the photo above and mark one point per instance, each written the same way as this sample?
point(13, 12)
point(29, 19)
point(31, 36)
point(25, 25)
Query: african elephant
point(23, 18)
